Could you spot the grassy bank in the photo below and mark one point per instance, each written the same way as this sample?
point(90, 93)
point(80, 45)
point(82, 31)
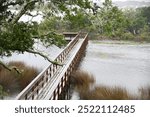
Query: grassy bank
point(124, 37)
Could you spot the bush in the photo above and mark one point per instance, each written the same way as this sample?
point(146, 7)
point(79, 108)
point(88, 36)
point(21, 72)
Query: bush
point(127, 36)
point(118, 33)
point(145, 36)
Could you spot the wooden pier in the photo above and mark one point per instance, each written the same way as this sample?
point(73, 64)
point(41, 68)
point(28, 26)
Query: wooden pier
point(53, 82)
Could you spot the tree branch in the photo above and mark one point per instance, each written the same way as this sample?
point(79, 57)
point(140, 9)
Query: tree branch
point(10, 68)
point(5, 66)
point(29, 14)
point(14, 3)
point(23, 11)
point(44, 56)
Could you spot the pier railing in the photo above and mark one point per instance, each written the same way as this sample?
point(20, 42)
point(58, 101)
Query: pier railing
point(53, 81)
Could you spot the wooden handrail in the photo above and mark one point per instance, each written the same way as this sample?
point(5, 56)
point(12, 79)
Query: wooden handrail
point(47, 77)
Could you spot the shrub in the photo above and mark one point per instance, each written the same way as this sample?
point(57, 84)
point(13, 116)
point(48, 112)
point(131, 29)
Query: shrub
point(118, 33)
point(127, 36)
point(144, 36)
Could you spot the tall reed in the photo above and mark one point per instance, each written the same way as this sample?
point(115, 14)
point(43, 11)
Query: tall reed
point(84, 84)
point(27, 75)
point(8, 81)
point(11, 81)
point(145, 93)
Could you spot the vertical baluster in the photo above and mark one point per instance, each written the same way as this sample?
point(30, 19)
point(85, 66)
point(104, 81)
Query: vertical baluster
point(47, 74)
point(26, 96)
point(58, 89)
point(33, 93)
point(51, 71)
point(54, 95)
point(37, 91)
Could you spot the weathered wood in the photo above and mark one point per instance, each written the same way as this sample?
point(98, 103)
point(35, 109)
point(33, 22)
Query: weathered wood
point(53, 82)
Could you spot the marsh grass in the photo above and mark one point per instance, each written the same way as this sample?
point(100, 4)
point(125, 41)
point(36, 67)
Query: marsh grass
point(82, 80)
point(8, 81)
point(27, 75)
point(2, 93)
point(106, 93)
point(84, 84)
point(13, 82)
point(145, 93)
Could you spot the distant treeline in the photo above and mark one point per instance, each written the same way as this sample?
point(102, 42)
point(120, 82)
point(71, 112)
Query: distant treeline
point(106, 20)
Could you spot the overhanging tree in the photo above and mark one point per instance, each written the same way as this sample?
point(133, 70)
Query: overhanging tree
point(17, 36)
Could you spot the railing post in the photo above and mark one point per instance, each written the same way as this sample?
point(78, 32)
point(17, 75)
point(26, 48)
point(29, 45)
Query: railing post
point(44, 79)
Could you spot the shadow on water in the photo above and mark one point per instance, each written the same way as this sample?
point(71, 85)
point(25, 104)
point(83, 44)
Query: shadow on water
point(118, 64)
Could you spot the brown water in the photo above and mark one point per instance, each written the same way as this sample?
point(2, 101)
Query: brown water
point(120, 64)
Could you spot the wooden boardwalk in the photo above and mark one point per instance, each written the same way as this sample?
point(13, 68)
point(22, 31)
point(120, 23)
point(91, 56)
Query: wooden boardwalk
point(53, 82)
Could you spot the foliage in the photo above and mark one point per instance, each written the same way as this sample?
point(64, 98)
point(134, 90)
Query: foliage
point(109, 19)
point(51, 23)
point(136, 23)
point(128, 24)
point(145, 13)
point(145, 36)
point(127, 36)
point(78, 21)
point(72, 17)
point(64, 15)
point(16, 36)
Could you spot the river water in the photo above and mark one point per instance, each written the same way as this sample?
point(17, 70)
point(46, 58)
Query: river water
point(32, 60)
point(36, 60)
point(115, 63)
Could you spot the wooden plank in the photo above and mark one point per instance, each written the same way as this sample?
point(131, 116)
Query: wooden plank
point(53, 83)
point(58, 77)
